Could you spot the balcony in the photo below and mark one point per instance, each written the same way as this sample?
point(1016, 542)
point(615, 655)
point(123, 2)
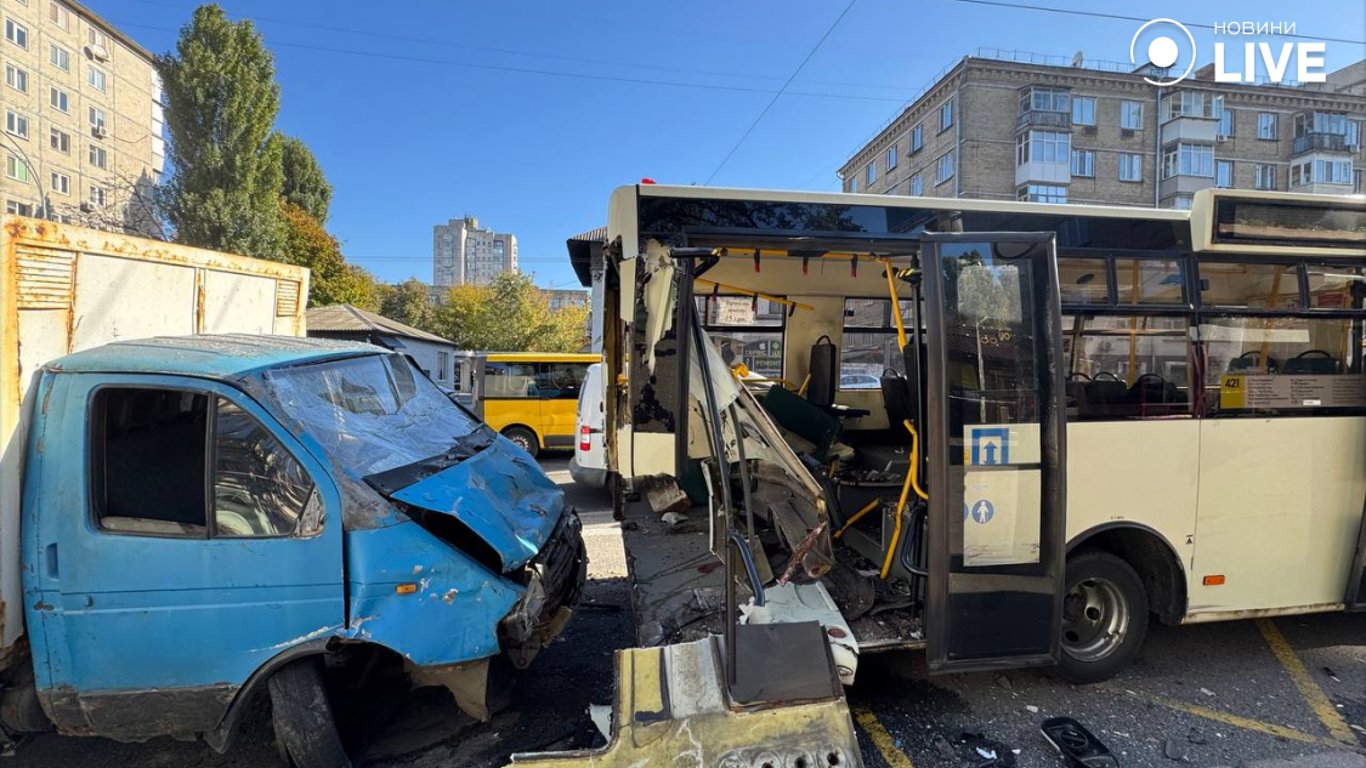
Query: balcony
point(1315, 141)
point(1040, 118)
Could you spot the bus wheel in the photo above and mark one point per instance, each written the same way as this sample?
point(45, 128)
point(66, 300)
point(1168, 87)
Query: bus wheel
point(522, 438)
point(1104, 616)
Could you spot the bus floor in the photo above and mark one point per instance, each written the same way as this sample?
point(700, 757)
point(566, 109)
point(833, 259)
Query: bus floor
point(677, 586)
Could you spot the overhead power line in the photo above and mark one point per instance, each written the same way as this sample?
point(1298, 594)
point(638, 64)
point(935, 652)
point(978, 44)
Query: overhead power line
point(1122, 17)
point(781, 91)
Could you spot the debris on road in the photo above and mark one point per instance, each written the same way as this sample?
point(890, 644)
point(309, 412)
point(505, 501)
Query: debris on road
point(1076, 744)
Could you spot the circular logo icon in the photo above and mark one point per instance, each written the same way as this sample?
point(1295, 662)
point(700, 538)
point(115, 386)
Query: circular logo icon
point(1164, 44)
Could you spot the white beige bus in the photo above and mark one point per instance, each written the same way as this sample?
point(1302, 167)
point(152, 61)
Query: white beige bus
point(1084, 416)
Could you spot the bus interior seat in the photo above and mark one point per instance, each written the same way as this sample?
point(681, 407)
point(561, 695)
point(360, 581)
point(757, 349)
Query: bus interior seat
point(824, 362)
point(802, 418)
point(1150, 390)
point(1313, 362)
point(1099, 396)
point(1251, 362)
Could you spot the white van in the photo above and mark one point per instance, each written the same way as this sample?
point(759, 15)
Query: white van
point(589, 465)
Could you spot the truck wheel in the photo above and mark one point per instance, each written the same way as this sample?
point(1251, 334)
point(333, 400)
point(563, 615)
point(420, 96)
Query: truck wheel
point(1104, 616)
point(302, 717)
point(522, 438)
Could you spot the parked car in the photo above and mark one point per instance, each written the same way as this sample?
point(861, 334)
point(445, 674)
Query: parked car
point(859, 381)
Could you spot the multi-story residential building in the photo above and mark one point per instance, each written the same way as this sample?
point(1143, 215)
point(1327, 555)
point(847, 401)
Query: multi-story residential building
point(560, 298)
point(83, 132)
point(465, 253)
point(1002, 128)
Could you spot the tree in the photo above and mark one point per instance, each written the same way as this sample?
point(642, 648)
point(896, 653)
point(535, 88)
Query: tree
point(510, 315)
point(410, 302)
point(332, 280)
point(221, 101)
point(305, 185)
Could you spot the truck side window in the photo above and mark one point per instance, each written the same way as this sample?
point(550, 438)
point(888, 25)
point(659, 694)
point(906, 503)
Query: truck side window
point(259, 489)
point(149, 461)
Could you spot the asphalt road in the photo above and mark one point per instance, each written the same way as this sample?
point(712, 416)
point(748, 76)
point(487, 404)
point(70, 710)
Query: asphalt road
point(1291, 692)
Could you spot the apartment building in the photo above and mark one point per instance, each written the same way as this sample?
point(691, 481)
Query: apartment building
point(465, 253)
point(83, 133)
point(1095, 133)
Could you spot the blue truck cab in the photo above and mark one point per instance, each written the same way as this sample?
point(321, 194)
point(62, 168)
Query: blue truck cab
point(209, 518)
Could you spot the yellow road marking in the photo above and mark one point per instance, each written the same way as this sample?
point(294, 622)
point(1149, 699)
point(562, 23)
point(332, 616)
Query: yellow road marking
point(1237, 721)
point(1309, 689)
point(883, 740)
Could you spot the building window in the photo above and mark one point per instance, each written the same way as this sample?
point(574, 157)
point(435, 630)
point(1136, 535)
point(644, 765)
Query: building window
point(97, 120)
point(16, 78)
point(1043, 146)
point(1131, 115)
point(98, 156)
point(1130, 166)
point(61, 183)
point(1265, 174)
point(97, 195)
point(1226, 119)
point(917, 139)
point(15, 168)
point(16, 33)
point(59, 57)
point(95, 77)
point(97, 38)
point(1359, 182)
point(1266, 126)
point(1083, 110)
point(943, 168)
point(59, 140)
point(17, 208)
point(1333, 171)
point(870, 173)
point(59, 99)
point(853, 183)
point(1084, 162)
point(1044, 100)
point(16, 124)
point(1182, 159)
point(891, 157)
point(946, 115)
point(917, 185)
point(1223, 174)
point(59, 15)
point(1043, 193)
point(1186, 104)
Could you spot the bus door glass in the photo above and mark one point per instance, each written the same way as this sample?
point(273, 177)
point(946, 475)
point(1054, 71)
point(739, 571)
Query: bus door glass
point(995, 449)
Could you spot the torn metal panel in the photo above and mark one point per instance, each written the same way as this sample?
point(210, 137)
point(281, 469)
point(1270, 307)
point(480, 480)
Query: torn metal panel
point(793, 603)
point(672, 709)
point(468, 684)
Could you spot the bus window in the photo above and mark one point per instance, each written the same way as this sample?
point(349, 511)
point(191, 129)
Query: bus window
point(510, 380)
point(1336, 287)
point(1149, 281)
point(745, 330)
point(1291, 365)
point(1250, 286)
point(868, 345)
point(560, 381)
point(1083, 281)
point(1127, 367)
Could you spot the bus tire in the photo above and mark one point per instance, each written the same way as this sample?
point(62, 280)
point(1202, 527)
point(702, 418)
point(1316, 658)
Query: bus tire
point(1105, 616)
point(305, 730)
point(523, 438)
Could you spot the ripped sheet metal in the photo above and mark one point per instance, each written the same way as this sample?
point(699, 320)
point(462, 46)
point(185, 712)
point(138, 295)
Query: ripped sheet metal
point(672, 711)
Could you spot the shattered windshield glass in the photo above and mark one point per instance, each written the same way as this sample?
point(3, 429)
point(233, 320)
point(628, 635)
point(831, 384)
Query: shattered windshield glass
point(371, 413)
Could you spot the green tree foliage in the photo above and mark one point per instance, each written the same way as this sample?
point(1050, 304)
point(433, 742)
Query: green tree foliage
point(332, 280)
point(222, 99)
point(510, 315)
point(410, 302)
point(305, 185)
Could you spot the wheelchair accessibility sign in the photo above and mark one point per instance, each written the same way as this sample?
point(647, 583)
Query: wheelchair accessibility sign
point(994, 445)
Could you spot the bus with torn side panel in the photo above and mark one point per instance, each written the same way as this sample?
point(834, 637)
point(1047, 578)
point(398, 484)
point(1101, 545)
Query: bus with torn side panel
point(1084, 416)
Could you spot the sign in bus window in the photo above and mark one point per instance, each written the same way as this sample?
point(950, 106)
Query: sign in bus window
point(1283, 363)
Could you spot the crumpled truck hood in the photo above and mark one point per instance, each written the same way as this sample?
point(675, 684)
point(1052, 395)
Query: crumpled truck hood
point(500, 494)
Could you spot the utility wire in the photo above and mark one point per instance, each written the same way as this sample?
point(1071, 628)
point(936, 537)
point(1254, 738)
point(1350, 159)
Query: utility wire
point(780, 92)
point(1121, 17)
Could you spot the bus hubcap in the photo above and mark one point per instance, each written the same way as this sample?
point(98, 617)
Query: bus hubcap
point(1095, 618)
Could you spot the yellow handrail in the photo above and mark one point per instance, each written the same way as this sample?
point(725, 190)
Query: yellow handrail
point(896, 305)
point(872, 505)
point(912, 482)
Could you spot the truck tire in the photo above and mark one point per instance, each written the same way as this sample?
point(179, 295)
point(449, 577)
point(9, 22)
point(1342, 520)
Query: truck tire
point(302, 717)
point(523, 438)
point(1105, 616)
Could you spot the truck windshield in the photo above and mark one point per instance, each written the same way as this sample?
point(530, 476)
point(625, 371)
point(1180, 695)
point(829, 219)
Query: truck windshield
point(370, 414)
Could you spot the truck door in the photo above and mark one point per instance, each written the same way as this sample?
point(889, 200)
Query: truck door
point(995, 449)
point(190, 542)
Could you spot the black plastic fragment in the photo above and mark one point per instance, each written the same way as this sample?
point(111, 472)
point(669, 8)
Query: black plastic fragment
point(1077, 745)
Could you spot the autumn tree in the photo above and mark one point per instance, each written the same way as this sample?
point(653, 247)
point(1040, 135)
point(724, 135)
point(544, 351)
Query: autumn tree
point(410, 302)
point(226, 159)
point(510, 315)
point(332, 280)
point(304, 182)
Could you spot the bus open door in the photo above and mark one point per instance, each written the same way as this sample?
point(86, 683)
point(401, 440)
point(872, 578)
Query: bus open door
point(995, 453)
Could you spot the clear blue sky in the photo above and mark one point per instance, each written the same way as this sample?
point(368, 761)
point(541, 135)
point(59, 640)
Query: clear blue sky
point(409, 141)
